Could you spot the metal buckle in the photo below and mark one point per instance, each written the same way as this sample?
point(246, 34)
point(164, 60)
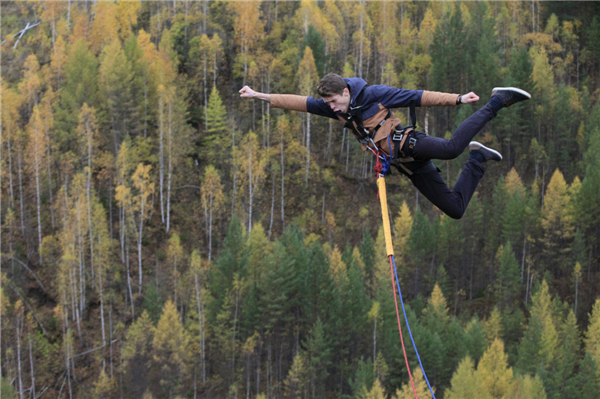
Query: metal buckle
point(397, 137)
point(412, 141)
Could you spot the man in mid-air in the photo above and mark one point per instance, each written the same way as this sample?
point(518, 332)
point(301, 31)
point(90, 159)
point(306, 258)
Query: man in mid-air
point(365, 110)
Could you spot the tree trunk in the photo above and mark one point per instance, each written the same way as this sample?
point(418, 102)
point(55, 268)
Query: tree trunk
point(307, 148)
point(19, 159)
point(139, 245)
point(10, 177)
point(19, 371)
point(205, 93)
point(523, 258)
point(576, 293)
point(129, 282)
point(375, 341)
point(272, 206)
point(328, 152)
point(237, 300)
point(347, 152)
point(110, 340)
point(37, 192)
point(201, 327)
point(102, 324)
point(282, 184)
point(161, 157)
point(210, 228)
point(31, 364)
point(170, 167)
point(89, 209)
point(81, 261)
point(250, 188)
point(49, 180)
point(360, 57)
point(234, 171)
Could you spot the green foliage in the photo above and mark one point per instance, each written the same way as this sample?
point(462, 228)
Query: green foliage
point(314, 40)
point(508, 276)
point(215, 141)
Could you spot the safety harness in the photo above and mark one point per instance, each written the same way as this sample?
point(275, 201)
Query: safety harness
point(405, 164)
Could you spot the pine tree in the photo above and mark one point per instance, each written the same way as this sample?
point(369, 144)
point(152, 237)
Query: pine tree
point(567, 360)
point(557, 223)
point(538, 346)
point(475, 337)
point(420, 243)
point(493, 326)
point(137, 354)
point(464, 383)
point(318, 352)
point(296, 384)
point(215, 142)
point(592, 335)
point(402, 227)
point(421, 388)
point(528, 387)
point(493, 373)
point(105, 387)
point(376, 392)
point(169, 352)
point(587, 380)
point(508, 276)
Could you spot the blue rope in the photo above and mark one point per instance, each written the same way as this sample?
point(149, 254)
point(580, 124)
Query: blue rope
point(408, 327)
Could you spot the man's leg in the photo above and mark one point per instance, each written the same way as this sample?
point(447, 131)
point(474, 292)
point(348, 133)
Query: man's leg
point(429, 147)
point(431, 185)
point(452, 202)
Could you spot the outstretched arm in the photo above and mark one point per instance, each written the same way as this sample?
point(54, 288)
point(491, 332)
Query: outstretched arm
point(391, 97)
point(285, 101)
point(247, 92)
point(291, 101)
point(435, 98)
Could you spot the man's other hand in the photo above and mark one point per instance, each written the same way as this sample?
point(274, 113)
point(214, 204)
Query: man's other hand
point(247, 92)
point(469, 98)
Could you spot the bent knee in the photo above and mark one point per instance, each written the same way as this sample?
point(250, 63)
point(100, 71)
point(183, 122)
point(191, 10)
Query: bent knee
point(455, 213)
point(454, 152)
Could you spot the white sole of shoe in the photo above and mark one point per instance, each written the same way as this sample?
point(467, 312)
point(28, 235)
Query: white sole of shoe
point(523, 92)
point(475, 145)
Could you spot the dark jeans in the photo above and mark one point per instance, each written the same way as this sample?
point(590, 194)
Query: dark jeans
point(431, 184)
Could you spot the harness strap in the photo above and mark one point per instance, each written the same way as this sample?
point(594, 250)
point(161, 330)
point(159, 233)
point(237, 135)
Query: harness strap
point(427, 168)
point(399, 142)
point(413, 114)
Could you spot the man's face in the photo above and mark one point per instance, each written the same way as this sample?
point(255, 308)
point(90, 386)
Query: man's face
point(339, 102)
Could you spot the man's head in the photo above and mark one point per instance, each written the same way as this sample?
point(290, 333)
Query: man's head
point(334, 91)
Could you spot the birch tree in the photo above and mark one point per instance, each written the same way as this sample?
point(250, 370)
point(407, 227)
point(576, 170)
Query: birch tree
point(212, 198)
point(307, 77)
point(36, 151)
point(10, 102)
point(87, 130)
point(252, 165)
point(200, 273)
point(174, 256)
point(133, 197)
point(249, 29)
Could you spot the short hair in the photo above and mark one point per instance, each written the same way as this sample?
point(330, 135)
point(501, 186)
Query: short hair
point(331, 85)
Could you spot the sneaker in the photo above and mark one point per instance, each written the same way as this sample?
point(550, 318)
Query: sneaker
point(510, 95)
point(487, 153)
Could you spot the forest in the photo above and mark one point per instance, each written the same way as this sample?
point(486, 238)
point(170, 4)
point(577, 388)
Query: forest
point(163, 238)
